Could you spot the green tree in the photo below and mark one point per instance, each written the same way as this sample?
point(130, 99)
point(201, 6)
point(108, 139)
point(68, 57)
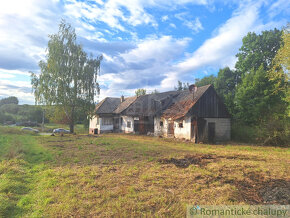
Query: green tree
point(181, 86)
point(253, 97)
point(205, 81)
point(140, 92)
point(9, 100)
point(258, 50)
point(155, 91)
point(67, 75)
point(280, 71)
point(225, 85)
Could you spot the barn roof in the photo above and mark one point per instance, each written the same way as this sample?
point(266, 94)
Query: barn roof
point(107, 105)
point(183, 103)
point(125, 104)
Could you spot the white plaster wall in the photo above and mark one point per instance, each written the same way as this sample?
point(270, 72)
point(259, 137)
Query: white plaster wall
point(184, 132)
point(93, 122)
point(124, 124)
point(160, 130)
point(222, 128)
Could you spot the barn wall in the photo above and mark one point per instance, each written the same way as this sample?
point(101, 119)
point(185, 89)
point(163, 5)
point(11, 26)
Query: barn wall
point(210, 105)
point(123, 125)
point(222, 128)
point(185, 131)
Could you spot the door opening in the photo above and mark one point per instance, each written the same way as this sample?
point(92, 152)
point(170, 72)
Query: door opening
point(211, 132)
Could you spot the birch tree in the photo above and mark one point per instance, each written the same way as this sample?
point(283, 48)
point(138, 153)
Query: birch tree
point(68, 75)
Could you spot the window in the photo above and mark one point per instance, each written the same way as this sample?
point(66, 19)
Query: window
point(161, 123)
point(121, 120)
point(129, 124)
point(107, 121)
point(180, 125)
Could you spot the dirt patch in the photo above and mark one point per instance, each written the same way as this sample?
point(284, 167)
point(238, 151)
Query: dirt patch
point(58, 146)
point(241, 157)
point(276, 192)
point(62, 141)
point(254, 189)
point(200, 160)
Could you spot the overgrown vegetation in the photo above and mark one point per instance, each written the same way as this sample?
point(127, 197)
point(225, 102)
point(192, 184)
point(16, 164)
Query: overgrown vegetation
point(256, 93)
point(127, 175)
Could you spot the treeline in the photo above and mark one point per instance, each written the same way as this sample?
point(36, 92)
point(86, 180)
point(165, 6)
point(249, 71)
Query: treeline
point(13, 113)
point(256, 92)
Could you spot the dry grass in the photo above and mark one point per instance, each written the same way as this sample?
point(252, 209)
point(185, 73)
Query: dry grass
point(126, 175)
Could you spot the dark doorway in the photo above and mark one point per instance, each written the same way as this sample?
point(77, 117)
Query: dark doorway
point(136, 126)
point(95, 131)
point(116, 124)
point(211, 132)
point(170, 128)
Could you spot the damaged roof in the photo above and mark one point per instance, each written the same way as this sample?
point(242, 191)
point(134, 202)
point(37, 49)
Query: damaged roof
point(107, 105)
point(125, 104)
point(183, 103)
point(151, 104)
point(203, 102)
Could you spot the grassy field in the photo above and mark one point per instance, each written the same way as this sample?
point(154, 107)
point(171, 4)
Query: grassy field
point(127, 175)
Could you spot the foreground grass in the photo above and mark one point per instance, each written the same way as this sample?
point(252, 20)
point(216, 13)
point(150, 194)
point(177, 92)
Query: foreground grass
point(124, 175)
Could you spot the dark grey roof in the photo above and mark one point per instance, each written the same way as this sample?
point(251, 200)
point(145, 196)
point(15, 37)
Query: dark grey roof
point(125, 104)
point(151, 104)
point(107, 105)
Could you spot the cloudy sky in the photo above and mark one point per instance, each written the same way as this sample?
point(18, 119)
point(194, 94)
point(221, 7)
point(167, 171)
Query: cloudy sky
point(145, 43)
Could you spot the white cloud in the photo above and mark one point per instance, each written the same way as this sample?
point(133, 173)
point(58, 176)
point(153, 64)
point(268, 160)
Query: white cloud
point(164, 18)
point(172, 25)
point(20, 89)
point(278, 7)
point(144, 66)
point(194, 25)
point(221, 48)
point(114, 12)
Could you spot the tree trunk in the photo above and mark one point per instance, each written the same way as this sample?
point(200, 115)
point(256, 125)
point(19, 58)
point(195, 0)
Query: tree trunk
point(72, 121)
point(71, 127)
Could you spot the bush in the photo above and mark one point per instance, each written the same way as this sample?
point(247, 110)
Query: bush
point(243, 133)
point(273, 133)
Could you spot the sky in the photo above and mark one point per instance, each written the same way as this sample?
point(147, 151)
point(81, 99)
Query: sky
point(147, 44)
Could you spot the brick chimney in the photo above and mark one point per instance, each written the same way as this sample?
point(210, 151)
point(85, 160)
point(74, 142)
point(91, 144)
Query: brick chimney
point(192, 88)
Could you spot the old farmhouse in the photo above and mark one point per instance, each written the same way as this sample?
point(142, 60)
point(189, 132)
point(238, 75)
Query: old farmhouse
point(196, 114)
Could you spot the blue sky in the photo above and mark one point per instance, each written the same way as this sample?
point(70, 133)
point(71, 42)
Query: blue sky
point(145, 43)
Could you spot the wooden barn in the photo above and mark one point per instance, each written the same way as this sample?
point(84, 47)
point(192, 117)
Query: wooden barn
point(198, 114)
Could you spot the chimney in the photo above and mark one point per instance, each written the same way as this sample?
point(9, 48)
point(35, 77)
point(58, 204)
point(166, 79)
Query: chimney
point(192, 89)
point(122, 98)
